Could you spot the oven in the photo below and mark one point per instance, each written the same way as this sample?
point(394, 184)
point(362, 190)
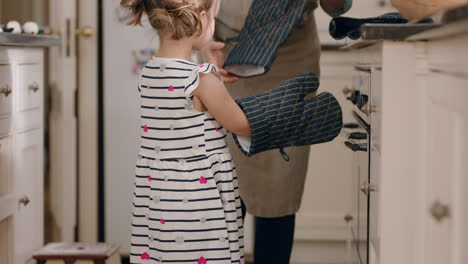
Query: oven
point(360, 139)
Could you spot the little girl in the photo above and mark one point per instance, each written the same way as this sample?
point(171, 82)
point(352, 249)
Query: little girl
point(186, 204)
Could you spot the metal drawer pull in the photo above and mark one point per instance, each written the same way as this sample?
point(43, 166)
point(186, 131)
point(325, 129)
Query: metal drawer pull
point(367, 188)
point(348, 218)
point(356, 147)
point(358, 136)
point(440, 211)
point(5, 90)
point(34, 87)
point(351, 125)
point(25, 200)
point(347, 90)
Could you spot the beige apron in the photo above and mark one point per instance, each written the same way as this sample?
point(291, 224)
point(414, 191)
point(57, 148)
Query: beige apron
point(269, 185)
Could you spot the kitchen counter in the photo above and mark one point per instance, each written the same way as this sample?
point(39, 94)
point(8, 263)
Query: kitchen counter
point(446, 23)
point(25, 40)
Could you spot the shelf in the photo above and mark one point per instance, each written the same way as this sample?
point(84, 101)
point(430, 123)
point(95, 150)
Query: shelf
point(25, 40)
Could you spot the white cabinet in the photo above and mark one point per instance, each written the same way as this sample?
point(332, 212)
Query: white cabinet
point(445, 224)
point(21, 153)
point(7, 204)
point(419, 148)
point(29, 216)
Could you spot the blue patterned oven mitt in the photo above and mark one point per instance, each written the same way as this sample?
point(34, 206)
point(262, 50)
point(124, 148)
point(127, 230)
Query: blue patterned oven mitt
point(267, 26)
point(281, 117)
point(342, 27)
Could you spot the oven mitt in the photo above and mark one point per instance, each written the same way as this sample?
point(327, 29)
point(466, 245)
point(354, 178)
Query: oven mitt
point(342, 27)
point(267, 26)
point(281, 117)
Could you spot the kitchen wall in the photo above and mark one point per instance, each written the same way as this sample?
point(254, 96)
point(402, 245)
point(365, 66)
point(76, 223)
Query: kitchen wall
point(121, 117)
point(24, 10)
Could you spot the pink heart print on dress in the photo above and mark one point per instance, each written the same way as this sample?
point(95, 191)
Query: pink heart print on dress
point(203, 180)
point(162, 221)
point(149, 178)
point(217, 129)
point(145, 128)
point(145, 256)
point(201, 66)
point(201, 260)
point(171, 88)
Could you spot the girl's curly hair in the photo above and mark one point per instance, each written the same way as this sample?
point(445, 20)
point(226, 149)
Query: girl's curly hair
point(181, 18)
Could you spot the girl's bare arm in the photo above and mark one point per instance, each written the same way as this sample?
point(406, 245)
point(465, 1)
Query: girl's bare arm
point(214, 96)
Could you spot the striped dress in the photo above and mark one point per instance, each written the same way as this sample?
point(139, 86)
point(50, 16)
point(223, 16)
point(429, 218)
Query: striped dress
point(186, 204)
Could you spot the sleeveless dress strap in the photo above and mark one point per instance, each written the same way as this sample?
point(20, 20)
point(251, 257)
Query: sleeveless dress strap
point(193, 81)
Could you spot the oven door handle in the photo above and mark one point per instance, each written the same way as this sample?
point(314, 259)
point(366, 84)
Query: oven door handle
point(356, 147)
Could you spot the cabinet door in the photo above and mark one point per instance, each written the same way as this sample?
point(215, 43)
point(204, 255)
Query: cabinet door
point(30, 86)
point(7, 203)
point(28, 174)
point(6, 89)
point(447, 170)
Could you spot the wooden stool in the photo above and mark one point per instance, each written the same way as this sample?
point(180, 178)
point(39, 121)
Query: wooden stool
point(68, 253)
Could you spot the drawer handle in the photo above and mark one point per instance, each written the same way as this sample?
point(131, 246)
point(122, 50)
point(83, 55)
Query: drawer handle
point(357, 136)
point(25, 200)
point(440, 211)
point(356, 147)
point(347, 90)
point(367, 188)
point(5, 90)
point(351, 125)
point(34, 87)
point(348, 218)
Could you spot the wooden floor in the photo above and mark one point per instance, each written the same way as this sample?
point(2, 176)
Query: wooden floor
point(125, 260)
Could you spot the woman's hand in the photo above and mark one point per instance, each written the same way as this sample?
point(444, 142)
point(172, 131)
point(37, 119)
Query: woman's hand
point(332, 6)
point(213, 54)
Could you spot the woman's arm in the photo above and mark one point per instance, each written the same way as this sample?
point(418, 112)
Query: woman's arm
point(215, 97)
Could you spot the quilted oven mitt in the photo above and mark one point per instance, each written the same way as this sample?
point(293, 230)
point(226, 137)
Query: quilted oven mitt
point(281, 117)
point(267, 26)
point(342, 27)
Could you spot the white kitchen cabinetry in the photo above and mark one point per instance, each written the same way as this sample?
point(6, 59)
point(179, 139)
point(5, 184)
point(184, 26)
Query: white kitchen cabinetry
point(419, 148)
point(21, 153)
point(443, 80)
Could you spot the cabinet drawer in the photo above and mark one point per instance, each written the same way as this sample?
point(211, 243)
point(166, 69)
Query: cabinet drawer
point(6, 89)
point(5, 125)
point(28, 120)
point(5, 172)
point(30, 86)
point(6, 240)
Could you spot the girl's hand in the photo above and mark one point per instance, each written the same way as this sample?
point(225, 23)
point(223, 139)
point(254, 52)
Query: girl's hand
point(213, 53)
